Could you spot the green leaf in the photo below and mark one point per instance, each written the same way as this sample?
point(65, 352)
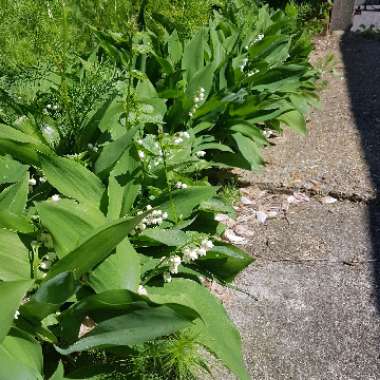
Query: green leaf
point(20, 357)
point(272, 49)
point(249, 150)
point(250, 131)
point(59, 373)
point(14, 222)
point(122, 193)
point(285, 78)
point(10, 170)
point(171, 238)
point(121, 270)
point(175, 48)
point(215, 146)
point(193, 55)
point(202, 78)
point(114, 150)
point(110, 119)
point(11, 294)
point(21, 146)
point(50, 296)
point(135, 327)
point(214, 329)
point(90, 127)
point(68, 222)
point(225, 261)
point(14, 257)
point(73, 180)
point(294, 120)
point(96, 248)
point(14, 197)
point(180, 203)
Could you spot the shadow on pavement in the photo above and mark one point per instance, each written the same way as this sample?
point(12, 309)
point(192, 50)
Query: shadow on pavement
point(362, 66)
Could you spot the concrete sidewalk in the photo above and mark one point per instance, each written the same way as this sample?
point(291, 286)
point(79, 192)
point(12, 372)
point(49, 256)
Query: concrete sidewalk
point(315, 277)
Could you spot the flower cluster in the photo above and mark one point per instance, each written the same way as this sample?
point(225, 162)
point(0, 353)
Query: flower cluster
point(181, 185)
point(174, 263)
point(200, 153)
point(191, 253)
point(141, 290)
point(179, 137)
point(258, 38)
point(155, 218)
point(198, 99)
point(93, 147)
point(243, 64)
point(56, 198)
point(253, 72)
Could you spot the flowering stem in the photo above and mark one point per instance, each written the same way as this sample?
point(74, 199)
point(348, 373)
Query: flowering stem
point(172, 205)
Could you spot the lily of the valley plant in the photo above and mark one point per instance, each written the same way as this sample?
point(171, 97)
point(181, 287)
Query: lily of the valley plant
point(108, 235)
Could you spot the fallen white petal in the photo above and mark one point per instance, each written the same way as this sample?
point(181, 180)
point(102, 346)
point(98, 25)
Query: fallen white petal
point(233, 238)
point(261, 216)
point(246, 201)
point(328, 200)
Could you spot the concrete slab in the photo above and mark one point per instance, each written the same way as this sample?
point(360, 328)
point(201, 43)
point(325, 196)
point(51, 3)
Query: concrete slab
point(331, 153)
point(317, 274)
point(315, 317)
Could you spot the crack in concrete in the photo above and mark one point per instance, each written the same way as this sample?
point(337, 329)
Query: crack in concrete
point(317, 261)
point(339, 195)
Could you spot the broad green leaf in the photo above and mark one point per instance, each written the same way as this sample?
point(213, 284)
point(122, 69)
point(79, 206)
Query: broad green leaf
point(122, 193)
point(215, 146)
point(110, 120)
point(95, 248)
point(21, 146)
point(14, 257)
point(114, 150)
point(203, 78)
point(59, 373)
point(90, 126)
point(205, 125)
point(217, 205)
point(69, 222)
point(175, 48)
point(11, 170)
point(50, 296)
point(73, 180)
point(285, 78)
point(134, 327)
point(265, 48)
point(249, 150)
point(225, 261)
point(13, 222)
point(215, 330)
point(294, 120)
point(181, 203)
point(157, 236)
point(193, 54)
point(121, 270)
point(251, 131)
point(11, 294)
point(20, 357)
point(14, 197)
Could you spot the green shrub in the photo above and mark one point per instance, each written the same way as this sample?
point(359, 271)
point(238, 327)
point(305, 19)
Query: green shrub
point(313, 15)
point(108, 221)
